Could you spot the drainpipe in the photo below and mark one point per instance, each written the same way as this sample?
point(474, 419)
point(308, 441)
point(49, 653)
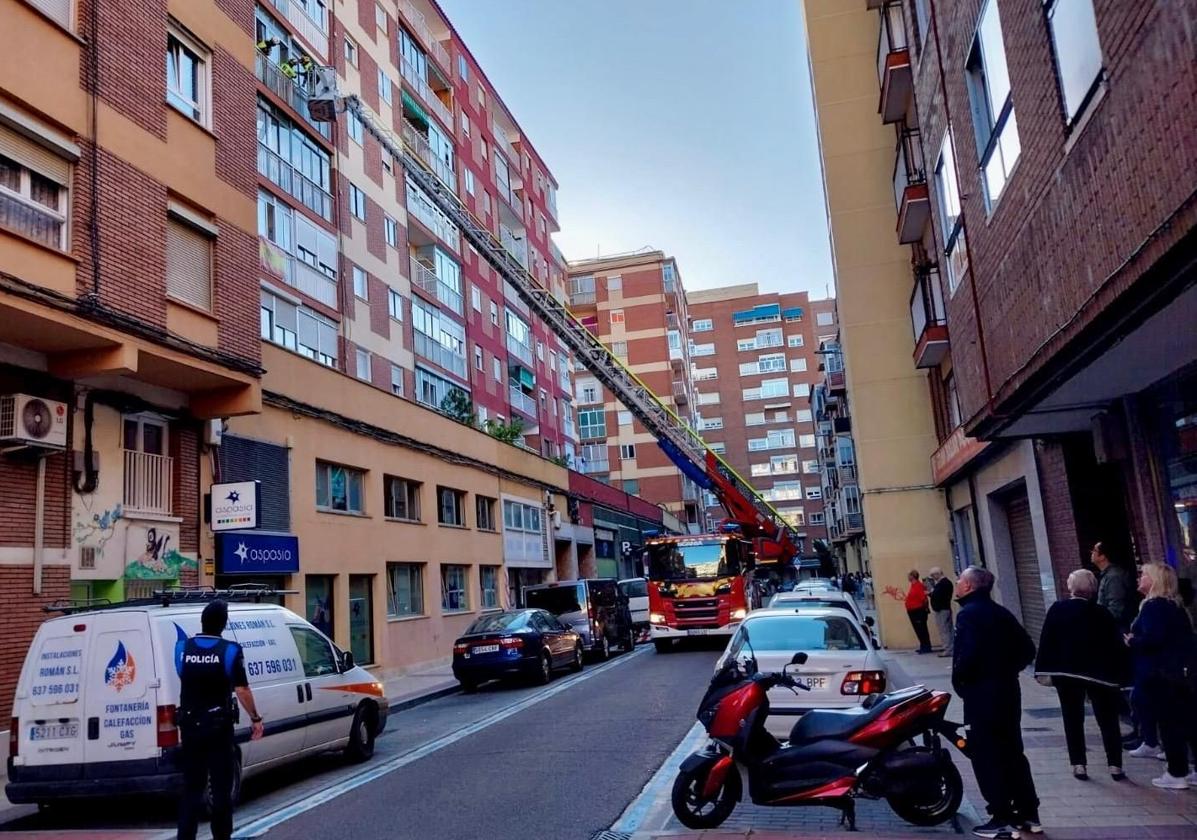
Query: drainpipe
point(39, 523)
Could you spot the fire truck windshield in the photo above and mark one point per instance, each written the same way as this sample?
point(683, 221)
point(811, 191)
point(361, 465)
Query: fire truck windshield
point(690, 561)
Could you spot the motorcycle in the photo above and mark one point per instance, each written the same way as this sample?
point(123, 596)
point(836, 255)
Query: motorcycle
point(832, 757)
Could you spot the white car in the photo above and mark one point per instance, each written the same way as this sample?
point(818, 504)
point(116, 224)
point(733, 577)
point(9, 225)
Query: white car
point(815, 585)
point(824, 598)
point(842, 668)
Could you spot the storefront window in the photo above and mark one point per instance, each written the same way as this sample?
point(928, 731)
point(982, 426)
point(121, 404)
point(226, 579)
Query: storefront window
point(1178, 414)
point(320, 603)
point(361, 618)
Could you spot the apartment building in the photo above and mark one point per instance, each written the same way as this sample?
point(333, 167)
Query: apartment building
point(837, 461)
point(126, 294)
point(636, 305)
point(754, 361)
point(1050, 213)
point(892, 427)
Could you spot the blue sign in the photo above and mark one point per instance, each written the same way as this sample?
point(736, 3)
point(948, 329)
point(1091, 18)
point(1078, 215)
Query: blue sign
point(256, 552)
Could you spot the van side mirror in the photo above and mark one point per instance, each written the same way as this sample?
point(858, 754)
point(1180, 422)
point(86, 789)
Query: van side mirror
point(346, 660)
point(799, 658)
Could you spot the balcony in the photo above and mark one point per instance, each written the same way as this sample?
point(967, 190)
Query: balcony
point(893, 63)
point(517, 246)
point(853, 523)
point(420, 85)
point(504, 144)
point(520, 350)
point(522, 402)
point(842, 425)
point(827, 455)
point(419, 25)
point(846, 473)
point(437, 353)
point(423, 276)
point(928, 319)
point(288, 90)
point(277, 169)
point(910, 188)
point(581, 296)
point(566, 385)
point(593, 467)
point(148, 482)
point(681, 395)
point(420, 206)
point(571, 430)
point(418, 143)
point(296, 273)
point(311, 29)
point(837, 383)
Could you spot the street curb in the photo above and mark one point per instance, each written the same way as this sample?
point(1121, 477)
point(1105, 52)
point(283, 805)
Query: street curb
point(421, 699)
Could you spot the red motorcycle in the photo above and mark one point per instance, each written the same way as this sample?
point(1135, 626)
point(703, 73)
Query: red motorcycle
point(832, 757)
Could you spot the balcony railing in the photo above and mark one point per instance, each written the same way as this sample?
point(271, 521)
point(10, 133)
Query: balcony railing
point(910, 187)
point(421, 87)
point(893, 63)
point(928, 319)
point(420, 206)
point(518, 247)
point(439, 354)
point(419, 24)
point(590, 467)
point(288, 90)
point(36, 222)
point(847, 473)
point(281, 172)
point(418, 143)
point(315, 284)
point(424, 276)
point(311, 30)
point(148, 482)
point(505, 145)
point(567, 426)
point(522, 402)
point(518, 349)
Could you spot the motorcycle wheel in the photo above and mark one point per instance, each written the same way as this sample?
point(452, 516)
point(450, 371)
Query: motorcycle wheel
point(937, 805)
point(693, 810)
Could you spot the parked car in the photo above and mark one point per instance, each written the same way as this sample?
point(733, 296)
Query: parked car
point(595, 609)
point(636, 591)
point(96, 698)
point(815, 585)
point(826, 598)
point(842, 668)
point(526, 643)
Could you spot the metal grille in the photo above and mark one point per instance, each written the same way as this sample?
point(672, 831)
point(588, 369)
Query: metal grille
point(87, 557)
point(246, 459)
point(8, 416)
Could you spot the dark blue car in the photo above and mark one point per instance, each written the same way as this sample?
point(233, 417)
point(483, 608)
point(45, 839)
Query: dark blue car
point(513, 643)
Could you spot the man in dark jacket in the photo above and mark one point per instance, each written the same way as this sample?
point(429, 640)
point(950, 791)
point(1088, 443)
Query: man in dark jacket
point(992, 648)
point(941, 608)
point(1116, 589)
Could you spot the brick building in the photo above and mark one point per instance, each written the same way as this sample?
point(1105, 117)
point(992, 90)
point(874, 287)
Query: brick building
point(753, 361)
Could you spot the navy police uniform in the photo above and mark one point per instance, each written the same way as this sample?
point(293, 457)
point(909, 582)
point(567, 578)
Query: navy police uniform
point(209, 668)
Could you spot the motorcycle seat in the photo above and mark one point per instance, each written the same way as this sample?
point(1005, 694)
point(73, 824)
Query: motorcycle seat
point(836, 724)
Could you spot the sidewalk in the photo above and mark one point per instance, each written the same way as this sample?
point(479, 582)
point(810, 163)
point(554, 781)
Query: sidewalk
point(420, 685)
point(1098, 808)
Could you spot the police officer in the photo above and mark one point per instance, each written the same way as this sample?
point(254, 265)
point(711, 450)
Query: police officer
point(210, 670)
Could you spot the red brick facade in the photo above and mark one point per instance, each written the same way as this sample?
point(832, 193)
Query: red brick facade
point(20, 618)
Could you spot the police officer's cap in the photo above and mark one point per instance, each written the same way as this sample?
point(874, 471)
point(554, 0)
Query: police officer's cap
point(215, 616)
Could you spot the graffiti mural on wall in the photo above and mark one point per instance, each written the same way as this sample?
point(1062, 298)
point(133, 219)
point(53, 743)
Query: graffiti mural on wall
point(150, 552)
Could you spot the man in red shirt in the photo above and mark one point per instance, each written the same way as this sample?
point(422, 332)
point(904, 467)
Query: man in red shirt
point(917, 609)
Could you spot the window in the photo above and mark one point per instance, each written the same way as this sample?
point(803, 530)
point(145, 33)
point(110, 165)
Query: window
point(707, 423)
point(363, 364)
point(401, 498)
point(357, 202)
point(395, 304)
point(484, 513)
point(540, 350)
point(397, 380)
point(624, 418)
point(494, 313)
point(463, 69)
point(188, 264)
point(824, 319)
point(384, 86)
point(450, 506)
point(953, 401)
point(465, 124)
point(773, 388)
point(33, 190)
point(469, 181)
point(811, 467)
point(627, 452)
point(702, 325)
point(380, 17)
point(772, 363)
point(481, 98)
point(711, 398)
point(488, 580)
point(497, 369)
point(392, 231)
point(588, 391)
point(947, 198)
point(350, 53)
point(718, 448)
point(702, 350)
point(806, 441)
point(745, 344)
point(356, 129)
point(619, 349)
point(797, 365)
point(454, 595)
point(631, 486)
point(780, 438)
point(802, 389)
point(592, 423)
point(478, 358)
point(1077, 51)
point(290, 158)
point(755, 418)
point(992, 106)
point(813, 492)
point(705, 374)
point(795, 516)
point(794, 341)
point(802, 415)
point(361, 287)
point(617, 317)
point(816, 518)
point(187, 71)
point(768, 338)
point(339, 488)
point(518, 516)
point(476, 298)
point(315, 653)
point(405, 589)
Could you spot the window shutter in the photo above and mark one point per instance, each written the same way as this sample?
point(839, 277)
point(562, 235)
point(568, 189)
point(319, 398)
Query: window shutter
point(41, 160)
point(58, 11)
point(188, 265)
point(246, 459)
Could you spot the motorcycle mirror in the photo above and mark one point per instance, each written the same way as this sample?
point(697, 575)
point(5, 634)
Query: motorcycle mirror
point(799, 658)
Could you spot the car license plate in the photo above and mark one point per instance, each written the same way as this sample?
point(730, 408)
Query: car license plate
point(814, 682)
point(53, 731)
point(701, 631)
point(485, 648)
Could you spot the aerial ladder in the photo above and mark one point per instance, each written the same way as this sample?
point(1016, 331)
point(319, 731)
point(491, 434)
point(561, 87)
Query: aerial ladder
point(774, 540)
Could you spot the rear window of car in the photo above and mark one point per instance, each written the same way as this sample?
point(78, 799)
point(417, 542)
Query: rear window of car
point(822, 603)
point(557, 599)
point(499, 622)
point(801, 632)
point(635, 588)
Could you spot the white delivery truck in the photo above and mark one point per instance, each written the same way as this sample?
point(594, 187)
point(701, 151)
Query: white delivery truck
point(94, 713)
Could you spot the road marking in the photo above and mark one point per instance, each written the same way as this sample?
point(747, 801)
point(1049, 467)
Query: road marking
point(261, 825)
point(633, 816)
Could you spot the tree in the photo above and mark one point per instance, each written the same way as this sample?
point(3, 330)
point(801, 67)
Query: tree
point(457, 404)
point(506, 432)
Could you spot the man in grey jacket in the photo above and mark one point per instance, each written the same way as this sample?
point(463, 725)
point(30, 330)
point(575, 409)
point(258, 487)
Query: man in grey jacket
point(1115, 591)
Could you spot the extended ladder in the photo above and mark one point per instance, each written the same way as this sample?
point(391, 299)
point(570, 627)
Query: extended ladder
point(692, 456)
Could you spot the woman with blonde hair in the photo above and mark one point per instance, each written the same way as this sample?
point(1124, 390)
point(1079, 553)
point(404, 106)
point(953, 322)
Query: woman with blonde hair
point(1165, 659)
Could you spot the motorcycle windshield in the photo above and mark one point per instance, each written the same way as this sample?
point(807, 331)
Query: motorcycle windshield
point(686, 560)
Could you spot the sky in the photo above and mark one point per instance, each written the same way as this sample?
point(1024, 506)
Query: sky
point(680, 125)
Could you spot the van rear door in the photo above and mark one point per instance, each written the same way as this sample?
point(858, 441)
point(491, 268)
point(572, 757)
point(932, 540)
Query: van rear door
point(49, 707)
point(121, 683)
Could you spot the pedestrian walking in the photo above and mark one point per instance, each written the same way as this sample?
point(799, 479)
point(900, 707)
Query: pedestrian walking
point(992, 648)
point(916, 609)
point(1165, 664)
point(211, 669)
point(1115, 591)
point(941, 608)
point(1082, 654)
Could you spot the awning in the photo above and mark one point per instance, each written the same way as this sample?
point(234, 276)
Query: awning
point(414, 111)
point(794, 312)
point(527, 377)
point(761, 312)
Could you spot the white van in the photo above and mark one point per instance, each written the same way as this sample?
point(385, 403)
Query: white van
point(94, 713)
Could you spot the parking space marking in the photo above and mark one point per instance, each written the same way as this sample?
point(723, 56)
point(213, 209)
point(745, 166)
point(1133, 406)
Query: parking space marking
point(260, 825)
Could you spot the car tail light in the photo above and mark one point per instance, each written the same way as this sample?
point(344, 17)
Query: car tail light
point(14, 736)
point(461, 647)
point(168, 731)
point(863, 682)
point(511, 642)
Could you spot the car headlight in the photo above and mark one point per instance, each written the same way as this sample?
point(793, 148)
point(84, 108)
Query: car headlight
point(738, 613)
point(656, 618)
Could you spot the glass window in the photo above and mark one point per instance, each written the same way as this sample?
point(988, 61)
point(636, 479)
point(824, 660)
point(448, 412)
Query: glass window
point(450, 506)
point(797, 365)
point(558, 600)
point(319, 602)
point(988, 81)
point(806, 441)
point(362, 358)
point(357, 202)
point(800, 632)
point(361, 618)
point(397, 380)
point(794, 341)
point(802, 389)
point(1078, 51)
point(356, 129)
point(391, 228)
point(488, 579)
point(186, 75)
point(350, 52)
point(631, 486)
point(702, 325)
point(592, 423)
point(405, 589)
point(401, 498)
point(455, 597)
point(824, 319)
point(315, 653)
point(338, 488)
point(361, 287)
point(395, 304)
point(484, 513)
point(627, 452)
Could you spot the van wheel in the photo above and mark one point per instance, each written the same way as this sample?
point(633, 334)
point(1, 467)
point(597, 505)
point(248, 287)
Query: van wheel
point(629, 642)
point(663, 645)
point(235, 795)
point(361, 736)
point(602, 648)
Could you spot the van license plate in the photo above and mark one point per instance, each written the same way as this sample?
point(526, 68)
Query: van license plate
point(698, 632)
point(485, 648)
point(53, 731)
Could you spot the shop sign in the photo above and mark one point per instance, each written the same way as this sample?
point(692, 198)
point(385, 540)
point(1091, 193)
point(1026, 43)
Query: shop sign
point(235, 506)
point(255, 552)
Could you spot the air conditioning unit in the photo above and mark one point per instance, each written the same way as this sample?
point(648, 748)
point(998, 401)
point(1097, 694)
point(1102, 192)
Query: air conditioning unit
point(32, 421)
